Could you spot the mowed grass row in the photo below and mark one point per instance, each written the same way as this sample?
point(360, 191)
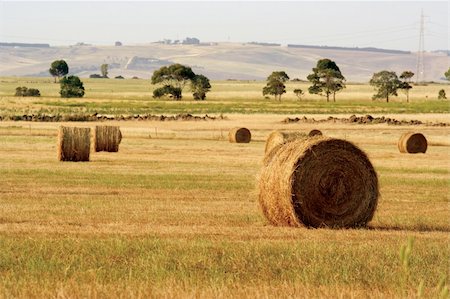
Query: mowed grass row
point(116, 97)
point(177, 218)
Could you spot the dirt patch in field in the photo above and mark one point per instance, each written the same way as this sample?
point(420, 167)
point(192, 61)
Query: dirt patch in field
point(105, 117)
point(367, 119)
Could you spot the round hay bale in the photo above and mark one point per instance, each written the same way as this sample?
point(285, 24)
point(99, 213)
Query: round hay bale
point(239, 135)
point(315, 132)
point(74, 144)
point(107, 138)
point(412, 143)
point(277, 137)
point(318, 182)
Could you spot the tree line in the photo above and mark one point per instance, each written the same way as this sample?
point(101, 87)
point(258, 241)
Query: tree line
point(326, 80)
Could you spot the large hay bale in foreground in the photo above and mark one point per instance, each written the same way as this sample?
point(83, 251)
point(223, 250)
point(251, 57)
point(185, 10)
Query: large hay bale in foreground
point(74, 144)
point(412, 143)
point(107, 138)
point(239, 135)
point(277, 138)
point(318, 182)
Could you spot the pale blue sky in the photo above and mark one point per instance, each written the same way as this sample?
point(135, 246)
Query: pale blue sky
point(383, 24)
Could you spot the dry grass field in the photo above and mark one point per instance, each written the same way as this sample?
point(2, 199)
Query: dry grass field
point(174, 213)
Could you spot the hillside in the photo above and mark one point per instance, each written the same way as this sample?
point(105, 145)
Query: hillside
point(217, 61)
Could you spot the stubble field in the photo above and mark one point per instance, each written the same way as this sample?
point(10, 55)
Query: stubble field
point(175, 214)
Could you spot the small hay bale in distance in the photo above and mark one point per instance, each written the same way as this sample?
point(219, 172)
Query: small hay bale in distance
point(315, 132)
point(277, 138)
point(74, 144)
point(239, 135)
point(412, 143)
point(107, 138)
point(318, 182)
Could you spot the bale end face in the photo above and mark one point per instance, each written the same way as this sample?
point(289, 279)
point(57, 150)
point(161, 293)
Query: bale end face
point(412, 143)
point(239, 135)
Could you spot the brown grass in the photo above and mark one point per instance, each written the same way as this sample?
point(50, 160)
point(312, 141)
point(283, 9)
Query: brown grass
point(318, 182)
point(107, 138)
point(74, 144)
point(412, 143)
point(239, 135)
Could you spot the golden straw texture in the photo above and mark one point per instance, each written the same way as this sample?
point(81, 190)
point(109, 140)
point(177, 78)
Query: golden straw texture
point(74, 144)
point(318, 182)
point(107, 138)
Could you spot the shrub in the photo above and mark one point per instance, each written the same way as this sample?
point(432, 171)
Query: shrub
point(119, 77)
point(71, 87)
point(95, 76)
point(27, 92)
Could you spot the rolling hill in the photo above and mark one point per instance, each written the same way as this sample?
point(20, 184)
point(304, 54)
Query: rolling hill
point(219, 61)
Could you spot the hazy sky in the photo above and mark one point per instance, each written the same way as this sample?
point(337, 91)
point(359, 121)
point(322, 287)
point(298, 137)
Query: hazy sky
point(383, 24)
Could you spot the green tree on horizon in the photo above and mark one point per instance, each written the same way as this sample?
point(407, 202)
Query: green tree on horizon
point(275, 84)
point(58, 68)
point(200, 85)
point(104, 70)
point(326, 79)
point(173, 78)
point(447, 74)
point(406, 83)
point(386, 83)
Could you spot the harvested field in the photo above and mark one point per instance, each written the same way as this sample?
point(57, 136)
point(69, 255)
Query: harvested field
point(177, 206)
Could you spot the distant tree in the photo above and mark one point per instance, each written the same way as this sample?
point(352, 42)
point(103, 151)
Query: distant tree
point(406, 82)
point(58, 68)
point(27, 92)
point(275, 84)
point(118, 44)
point(71, 87)
point(442, 95)
point(447, 74)
point(200, 86)
point(386, 83)
point(104, 70)
point(326, 79)
point(176, 76)
point(299, 93)
point(95, 76)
